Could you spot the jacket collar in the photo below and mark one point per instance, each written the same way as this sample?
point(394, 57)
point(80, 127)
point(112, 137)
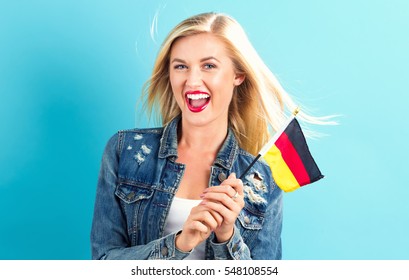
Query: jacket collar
point(169, 145)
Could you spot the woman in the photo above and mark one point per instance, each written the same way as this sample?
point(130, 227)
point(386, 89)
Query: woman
point(173, 192)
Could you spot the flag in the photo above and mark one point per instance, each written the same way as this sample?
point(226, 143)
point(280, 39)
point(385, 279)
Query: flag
point(290, 159)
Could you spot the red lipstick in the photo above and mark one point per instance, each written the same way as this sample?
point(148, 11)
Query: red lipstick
point(197, 101)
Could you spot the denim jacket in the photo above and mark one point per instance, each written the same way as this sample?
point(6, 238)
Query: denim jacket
point(138, 179)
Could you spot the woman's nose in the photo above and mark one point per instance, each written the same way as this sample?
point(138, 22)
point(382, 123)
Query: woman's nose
point(194, 78)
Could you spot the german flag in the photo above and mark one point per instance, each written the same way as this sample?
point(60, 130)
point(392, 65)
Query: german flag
point(290, 159)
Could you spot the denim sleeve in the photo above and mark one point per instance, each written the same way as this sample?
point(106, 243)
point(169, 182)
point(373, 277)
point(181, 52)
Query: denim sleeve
point(233, 249)
point(267, 243)
point(109, 238)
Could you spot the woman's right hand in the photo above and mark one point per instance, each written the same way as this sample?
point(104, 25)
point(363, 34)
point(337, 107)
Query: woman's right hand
point(197, 228)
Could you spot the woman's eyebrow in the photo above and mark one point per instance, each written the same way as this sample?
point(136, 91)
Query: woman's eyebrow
point(209, 58)
point(178, 60)
point(201, 60)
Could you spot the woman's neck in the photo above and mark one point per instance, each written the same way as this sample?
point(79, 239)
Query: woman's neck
point(202, 138)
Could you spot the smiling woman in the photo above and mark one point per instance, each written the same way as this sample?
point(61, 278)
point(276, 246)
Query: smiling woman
point(202, 76)
point(219, 104)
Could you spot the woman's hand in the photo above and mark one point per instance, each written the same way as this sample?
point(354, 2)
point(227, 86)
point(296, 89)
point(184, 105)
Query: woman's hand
point(197, 228)
point(217, 212)
point(225, 202)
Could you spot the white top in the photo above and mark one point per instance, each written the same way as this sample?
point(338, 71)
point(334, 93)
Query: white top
point(178, 213)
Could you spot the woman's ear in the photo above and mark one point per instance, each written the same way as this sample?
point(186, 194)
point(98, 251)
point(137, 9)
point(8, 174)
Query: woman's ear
point(239, 79)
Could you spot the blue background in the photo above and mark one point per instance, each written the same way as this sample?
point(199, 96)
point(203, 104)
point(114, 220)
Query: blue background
point(71, 73)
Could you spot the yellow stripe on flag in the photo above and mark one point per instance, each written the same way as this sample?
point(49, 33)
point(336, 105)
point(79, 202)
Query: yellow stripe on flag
point(282, 175)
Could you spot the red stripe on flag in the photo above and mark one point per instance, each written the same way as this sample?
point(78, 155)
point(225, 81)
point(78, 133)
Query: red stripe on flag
point(292, 159)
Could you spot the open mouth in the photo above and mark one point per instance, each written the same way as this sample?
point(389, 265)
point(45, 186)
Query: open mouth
point(197, 101)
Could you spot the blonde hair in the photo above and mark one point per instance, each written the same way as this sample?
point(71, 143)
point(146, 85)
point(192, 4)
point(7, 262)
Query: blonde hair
point(259, 104)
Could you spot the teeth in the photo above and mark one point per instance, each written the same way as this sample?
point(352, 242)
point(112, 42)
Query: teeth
point(197, 96)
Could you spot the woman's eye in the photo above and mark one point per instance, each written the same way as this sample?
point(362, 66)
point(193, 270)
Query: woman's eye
point(180, 67)
point(209, 66)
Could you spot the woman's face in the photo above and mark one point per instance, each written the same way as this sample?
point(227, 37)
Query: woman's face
point(202, 77)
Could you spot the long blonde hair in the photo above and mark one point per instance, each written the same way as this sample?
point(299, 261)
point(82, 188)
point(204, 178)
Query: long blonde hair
point(259, 104)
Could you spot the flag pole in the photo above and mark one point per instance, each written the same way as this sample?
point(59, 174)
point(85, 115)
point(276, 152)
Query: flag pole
point(271, 142)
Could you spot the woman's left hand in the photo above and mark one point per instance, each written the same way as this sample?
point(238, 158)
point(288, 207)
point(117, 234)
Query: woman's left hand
point(225, 200)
